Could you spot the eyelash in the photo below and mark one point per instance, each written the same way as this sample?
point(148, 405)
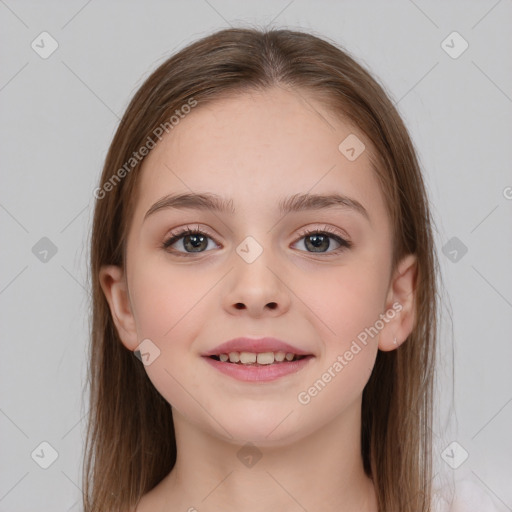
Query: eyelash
point(326, 230)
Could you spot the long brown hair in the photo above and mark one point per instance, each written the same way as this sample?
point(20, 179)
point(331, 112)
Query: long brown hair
point(130, 442)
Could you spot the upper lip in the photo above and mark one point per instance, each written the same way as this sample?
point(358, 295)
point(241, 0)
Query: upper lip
point(255, 345)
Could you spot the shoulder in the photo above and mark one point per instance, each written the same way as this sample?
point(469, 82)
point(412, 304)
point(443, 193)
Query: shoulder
point(467, 496)
point(150, 502)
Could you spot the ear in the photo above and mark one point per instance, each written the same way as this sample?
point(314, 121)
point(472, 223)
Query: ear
point(113, 284)
point(400, 305)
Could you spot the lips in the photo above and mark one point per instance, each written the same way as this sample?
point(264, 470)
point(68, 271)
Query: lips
point(257, 359)
point(256, 346)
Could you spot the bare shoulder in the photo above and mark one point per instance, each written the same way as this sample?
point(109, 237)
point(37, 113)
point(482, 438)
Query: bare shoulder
point(159, 499)
point(148, 503)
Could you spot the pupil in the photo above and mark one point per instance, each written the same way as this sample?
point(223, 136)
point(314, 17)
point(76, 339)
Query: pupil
point(317, 241)
point(195, 241)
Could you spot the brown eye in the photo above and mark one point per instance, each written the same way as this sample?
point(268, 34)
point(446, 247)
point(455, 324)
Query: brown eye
point(317, 241)
point(192, 241)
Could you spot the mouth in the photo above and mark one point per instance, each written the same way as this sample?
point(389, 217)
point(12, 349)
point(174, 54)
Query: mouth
point(259, 367)
point(258, 359)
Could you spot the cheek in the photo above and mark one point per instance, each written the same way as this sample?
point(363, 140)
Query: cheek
point(168, 307)
point(162, 298)
point(346, 301)
point(348, 304)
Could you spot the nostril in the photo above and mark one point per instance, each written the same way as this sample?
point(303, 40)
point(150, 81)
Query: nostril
point(270, 305)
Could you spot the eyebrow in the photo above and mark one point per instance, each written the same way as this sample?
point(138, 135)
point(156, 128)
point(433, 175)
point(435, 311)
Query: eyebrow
point(295, 203)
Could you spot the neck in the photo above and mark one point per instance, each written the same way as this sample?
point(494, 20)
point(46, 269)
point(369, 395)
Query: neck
point(323, 469)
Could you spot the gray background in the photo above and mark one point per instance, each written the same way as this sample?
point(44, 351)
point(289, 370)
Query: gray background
point(59, 115)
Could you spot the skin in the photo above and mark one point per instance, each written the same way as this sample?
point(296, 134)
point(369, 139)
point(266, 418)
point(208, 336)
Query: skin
point(256, 148)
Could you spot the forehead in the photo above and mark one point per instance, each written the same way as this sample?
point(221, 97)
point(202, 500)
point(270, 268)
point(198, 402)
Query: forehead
point(257, 148)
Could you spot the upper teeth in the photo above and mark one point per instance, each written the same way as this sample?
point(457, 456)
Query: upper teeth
point(252, 357)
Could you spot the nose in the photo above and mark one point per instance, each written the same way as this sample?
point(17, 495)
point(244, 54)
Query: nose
point(257, 289)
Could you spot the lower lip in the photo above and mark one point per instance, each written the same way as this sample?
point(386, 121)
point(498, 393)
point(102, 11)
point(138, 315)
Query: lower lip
point(262, 373)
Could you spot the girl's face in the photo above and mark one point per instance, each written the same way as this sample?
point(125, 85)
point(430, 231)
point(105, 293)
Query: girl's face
point(256, 273)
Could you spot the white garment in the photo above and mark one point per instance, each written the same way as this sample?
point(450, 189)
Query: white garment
point(467, 497)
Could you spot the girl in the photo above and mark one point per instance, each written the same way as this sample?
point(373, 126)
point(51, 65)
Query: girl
point(264, 290)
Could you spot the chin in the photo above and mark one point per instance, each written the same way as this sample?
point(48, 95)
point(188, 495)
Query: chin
point(262, 426)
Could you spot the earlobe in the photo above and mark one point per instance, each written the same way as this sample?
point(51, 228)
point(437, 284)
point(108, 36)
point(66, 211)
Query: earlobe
point(400, 305)
point(114, 286)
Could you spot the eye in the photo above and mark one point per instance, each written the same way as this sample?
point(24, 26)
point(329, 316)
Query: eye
point(197, 241)
point(319, 241)
point(192, 240)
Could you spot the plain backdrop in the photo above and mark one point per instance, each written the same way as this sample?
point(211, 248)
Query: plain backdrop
point(59, 113)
